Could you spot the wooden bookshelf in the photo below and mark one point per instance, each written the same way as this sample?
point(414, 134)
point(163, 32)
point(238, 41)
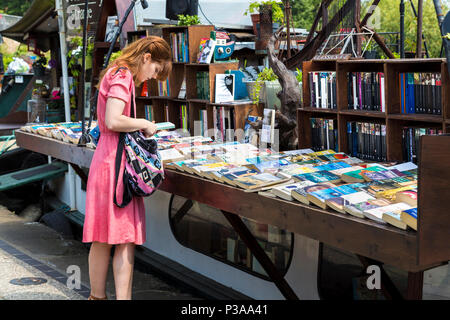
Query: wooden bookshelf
point(391, 117)
point(195, 34)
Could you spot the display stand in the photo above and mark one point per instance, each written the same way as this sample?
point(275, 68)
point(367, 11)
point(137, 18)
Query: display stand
point(407, 250)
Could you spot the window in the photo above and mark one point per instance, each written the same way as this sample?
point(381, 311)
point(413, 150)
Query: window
point(206, 230)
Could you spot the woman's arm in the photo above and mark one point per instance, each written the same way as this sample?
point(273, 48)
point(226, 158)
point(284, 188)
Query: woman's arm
point(116, 121)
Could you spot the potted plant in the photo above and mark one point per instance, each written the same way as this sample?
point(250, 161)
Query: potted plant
point(39, 66)
point(187, 20)
point(254, 9)
point(369, 50)
point(265, 89)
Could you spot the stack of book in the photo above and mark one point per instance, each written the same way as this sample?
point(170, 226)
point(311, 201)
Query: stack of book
point(384, 193)
point(324, 133)
point(224, 125)
point(367, 140)
point(163, 88)
point(411, 141)
point(420, 93)
point(365, 91)
point(323, 90)
point(179, 44)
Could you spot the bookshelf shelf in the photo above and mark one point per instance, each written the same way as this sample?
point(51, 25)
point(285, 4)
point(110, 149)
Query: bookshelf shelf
point(392, 117)
point(363, 113)
point(416, 117)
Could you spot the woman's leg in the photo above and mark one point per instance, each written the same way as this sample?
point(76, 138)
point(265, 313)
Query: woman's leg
point(123, 264)
point(98, 268)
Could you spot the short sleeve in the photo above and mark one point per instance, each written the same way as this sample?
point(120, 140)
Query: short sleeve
point(120, 85)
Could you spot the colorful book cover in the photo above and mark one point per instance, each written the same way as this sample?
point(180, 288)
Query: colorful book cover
point(376, 214)
point(301, 194)
point(409, 216)
point(358, 209)
point(317, 177)
point(285, 191)
point(333, 166)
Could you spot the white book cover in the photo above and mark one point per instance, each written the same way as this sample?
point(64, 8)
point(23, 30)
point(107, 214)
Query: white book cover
point(170, 154)
point(224, 88)
point(340, 172)
point(355, 97)
point(207, 52)
point(383, 103)
point(284, 191)
point(298, 152)
point(404, 166)
point(356, 197)
point(316, 84)
point(112, 25)
point(377, 213)
point(182, 92)
point(268, 126)
point(323, 85)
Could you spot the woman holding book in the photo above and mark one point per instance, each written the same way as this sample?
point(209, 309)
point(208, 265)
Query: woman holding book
point(105, 223)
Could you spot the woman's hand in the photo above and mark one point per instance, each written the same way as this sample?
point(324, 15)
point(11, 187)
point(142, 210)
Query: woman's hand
point(150, 130)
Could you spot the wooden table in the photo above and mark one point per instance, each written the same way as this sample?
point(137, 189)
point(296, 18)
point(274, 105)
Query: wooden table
point(372, 242)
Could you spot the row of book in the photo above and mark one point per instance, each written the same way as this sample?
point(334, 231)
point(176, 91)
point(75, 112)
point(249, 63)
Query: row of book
point(323, 90)
point(224, 123)
point(184, 124)
point(365, 91)
point(382, 192)
point(411, 141)
point(324, 133)
point(202, 79)
point(421, 93)
point(367, 140)
point(179, 44)
point(164, 88)
point(148, 110)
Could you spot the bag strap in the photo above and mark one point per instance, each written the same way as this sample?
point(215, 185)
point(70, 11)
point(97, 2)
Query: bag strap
point(126, 198)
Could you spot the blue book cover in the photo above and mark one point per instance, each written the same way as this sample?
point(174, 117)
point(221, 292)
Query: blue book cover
point(411, 99)
point(402, 93)
point(240, 88)
point(333, 166)
point(317, 177)
point(412, 212)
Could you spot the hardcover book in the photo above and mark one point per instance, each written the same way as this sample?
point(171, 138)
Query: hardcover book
point(224, 88)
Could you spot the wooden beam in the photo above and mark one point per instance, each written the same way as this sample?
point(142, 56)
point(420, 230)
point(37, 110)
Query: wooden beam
point(260, 255)
point(415, 286)
point(370, 12)
point(419, 29)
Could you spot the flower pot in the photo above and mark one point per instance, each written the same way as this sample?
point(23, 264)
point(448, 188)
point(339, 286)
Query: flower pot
point(255, 20)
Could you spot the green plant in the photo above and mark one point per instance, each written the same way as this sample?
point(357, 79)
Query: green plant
point(266, 75)
point(447, 36)
point(277, 11)
point(299, 75)
point(187, 20)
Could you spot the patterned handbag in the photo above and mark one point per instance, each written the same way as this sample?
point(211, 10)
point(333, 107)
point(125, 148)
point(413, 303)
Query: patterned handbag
point(144, 171)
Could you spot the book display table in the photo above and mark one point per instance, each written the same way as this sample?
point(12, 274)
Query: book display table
point(372, 242)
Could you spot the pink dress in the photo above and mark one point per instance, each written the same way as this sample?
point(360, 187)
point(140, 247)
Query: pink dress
point(104, 221)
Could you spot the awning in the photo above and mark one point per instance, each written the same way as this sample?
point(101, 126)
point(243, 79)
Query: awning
point(38, 22)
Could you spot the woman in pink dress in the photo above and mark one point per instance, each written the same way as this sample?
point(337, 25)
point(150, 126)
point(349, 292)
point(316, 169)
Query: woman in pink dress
point(106, 224)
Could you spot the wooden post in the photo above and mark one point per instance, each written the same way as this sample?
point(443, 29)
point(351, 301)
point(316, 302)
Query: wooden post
point(358, 26)
point(419, 29)
point(288, 27)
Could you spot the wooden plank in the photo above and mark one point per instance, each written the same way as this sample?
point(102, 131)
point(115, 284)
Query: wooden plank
point(367, 238)
point(434, 190)
point(415, 286)
point(71, 153)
